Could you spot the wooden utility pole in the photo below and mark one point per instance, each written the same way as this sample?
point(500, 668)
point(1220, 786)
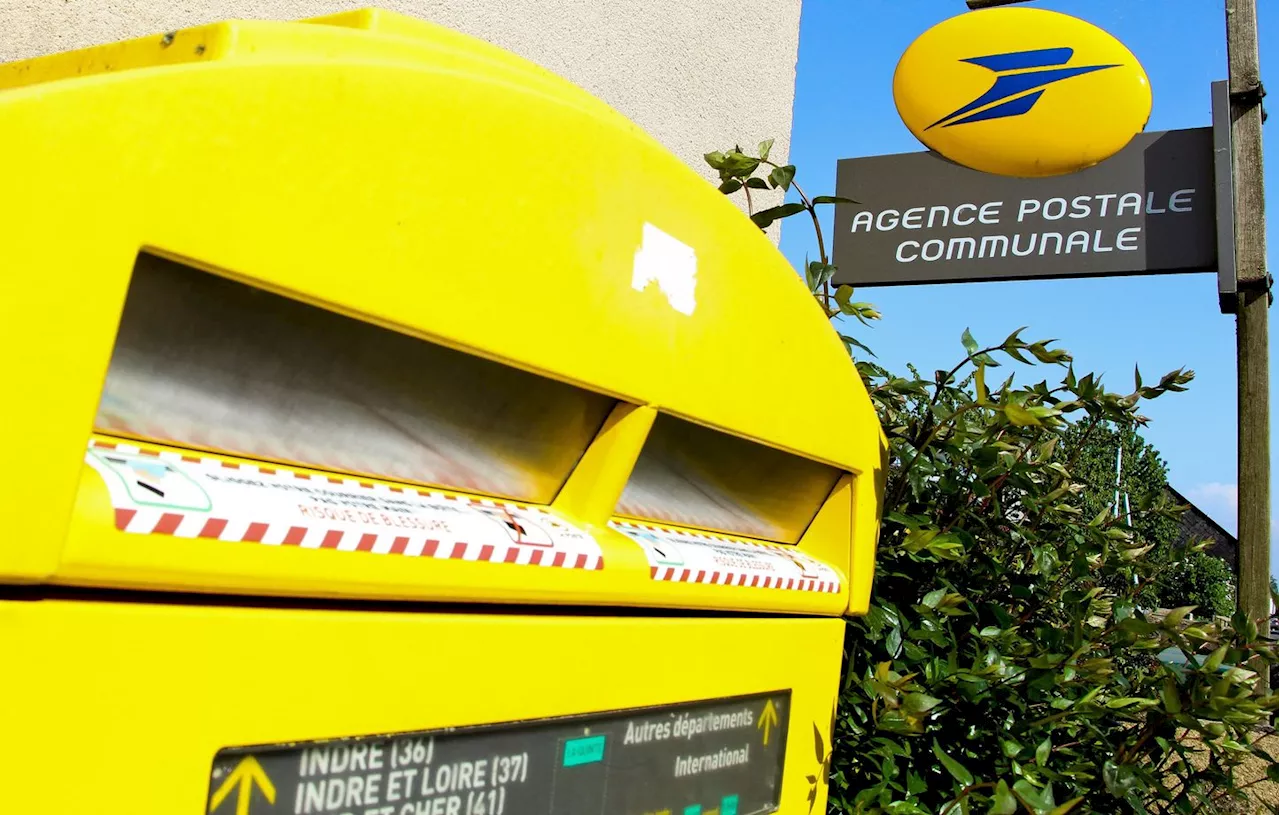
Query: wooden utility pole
point(1253, 285)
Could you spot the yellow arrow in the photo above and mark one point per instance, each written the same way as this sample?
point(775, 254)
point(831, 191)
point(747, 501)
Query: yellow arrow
point(769, 718)
point(247, 774)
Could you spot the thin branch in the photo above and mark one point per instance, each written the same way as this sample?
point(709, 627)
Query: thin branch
point(817, 231)
point(965, 793)
point(933, 435)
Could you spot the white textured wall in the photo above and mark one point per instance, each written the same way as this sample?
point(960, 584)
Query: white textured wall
point(698, 75)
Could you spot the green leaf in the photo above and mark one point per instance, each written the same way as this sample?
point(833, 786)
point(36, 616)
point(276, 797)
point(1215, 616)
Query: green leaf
point(1040, 352)
point(909, 521)
point(969, 343)
point(1012, 350)
point(1170, 697)
point(765, 147)
point(1124, 702)
point(932, 598)
point(915, 784)
point(1067, 807)
point(919, 702)
point(947, 546)
point(980, 383)
point(850, 343)
point(1215, 659)
point(1003, 802)
point(833, 199)
point(863, 311)
point(1043, 750)
point(731, 186)
point(738, 163)
point(757, 183)
point(765, 217)
point(1037, 800)
point(918, 539)
point(896, 721)
point(893, 641)
point(817, 274)
point(1015, 338)
point(1175, 617)
point(782, 177)
point(957, 770)
point(716, 159)
point(1019, 416)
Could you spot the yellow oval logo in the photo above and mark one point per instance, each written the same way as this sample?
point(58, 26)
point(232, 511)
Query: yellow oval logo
point(1021, 92)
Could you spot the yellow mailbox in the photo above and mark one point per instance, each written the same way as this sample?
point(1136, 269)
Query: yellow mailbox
point(395, 429)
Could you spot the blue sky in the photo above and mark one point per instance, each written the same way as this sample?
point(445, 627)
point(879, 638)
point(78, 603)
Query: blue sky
point(844, 108)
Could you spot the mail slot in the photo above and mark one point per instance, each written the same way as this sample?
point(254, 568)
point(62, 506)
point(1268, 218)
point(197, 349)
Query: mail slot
point(394, 428)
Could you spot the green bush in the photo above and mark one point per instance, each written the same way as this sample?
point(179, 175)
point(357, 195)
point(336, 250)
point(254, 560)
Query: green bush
point(1006, 663)
point(1201, 580)
point(1144, 479)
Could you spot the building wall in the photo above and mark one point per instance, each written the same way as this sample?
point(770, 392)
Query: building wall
point(698, 75)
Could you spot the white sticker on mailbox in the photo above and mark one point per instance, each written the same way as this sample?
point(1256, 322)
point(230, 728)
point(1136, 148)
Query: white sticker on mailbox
point(695, 557)
point(162, 492)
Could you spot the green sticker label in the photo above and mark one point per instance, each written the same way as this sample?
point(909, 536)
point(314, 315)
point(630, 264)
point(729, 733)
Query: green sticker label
point(586, 750)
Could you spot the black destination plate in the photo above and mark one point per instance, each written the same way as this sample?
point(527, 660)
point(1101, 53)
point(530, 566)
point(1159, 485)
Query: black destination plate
point(720, 757)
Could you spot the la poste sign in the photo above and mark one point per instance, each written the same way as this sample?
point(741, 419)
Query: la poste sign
point(1021, 92)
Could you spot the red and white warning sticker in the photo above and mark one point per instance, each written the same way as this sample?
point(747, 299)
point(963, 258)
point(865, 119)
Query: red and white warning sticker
point(161, 492)
point(696, 557)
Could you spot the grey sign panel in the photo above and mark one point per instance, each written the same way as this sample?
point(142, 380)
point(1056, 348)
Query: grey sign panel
point(1223, 175)
point(922, 219)
point(723, 756)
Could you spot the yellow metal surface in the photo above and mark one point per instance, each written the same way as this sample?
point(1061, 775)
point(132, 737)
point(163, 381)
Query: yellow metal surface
point(130, 702)
point(413, 178)
point(597, 482)
point(1021, 92)
point(868, 490)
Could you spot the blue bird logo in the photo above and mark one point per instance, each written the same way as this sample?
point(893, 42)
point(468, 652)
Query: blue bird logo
point(1016, 73)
